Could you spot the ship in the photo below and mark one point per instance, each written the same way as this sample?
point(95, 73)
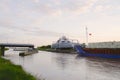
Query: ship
point(64, 43)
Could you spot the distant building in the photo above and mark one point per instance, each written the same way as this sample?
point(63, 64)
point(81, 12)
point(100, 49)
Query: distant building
point(63, 42)
point(113, 44)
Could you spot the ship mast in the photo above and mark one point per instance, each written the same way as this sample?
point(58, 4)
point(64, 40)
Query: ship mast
point(86, 35)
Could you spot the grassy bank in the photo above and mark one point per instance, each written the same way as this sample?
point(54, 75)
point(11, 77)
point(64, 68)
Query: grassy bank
point(9, 71)
point(44, 48)
point(49, 49)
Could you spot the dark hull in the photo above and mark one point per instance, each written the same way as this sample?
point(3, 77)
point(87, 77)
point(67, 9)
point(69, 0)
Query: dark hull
point(96, 53)
point(103, 50)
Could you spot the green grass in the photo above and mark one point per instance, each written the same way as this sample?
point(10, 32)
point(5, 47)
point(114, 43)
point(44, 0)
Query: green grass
point(8, 71)
point(44, 48)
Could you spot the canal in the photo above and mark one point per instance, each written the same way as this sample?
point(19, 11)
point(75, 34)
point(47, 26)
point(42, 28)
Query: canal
point(59, 66)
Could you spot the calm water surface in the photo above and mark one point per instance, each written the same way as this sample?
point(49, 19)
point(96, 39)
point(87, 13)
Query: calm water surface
point(58, 66)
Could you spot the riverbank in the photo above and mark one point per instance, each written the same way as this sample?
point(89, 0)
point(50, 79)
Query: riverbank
point(8, 71)
point(70, 50)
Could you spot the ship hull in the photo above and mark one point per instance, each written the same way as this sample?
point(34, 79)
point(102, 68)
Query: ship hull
point(97, 53)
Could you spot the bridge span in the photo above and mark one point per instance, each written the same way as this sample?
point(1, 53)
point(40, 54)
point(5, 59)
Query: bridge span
point(3, 45)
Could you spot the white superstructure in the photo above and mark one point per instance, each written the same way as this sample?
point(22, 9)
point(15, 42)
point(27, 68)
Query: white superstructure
point(63, 42)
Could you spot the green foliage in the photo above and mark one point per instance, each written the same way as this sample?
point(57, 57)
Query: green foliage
point(8, 71)
point(0, 52)
point(44, 47)
point(83, 45)
point(5, 49)
point(63, 50)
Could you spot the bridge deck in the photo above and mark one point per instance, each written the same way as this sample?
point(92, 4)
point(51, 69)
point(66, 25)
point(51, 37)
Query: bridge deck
point(3, 45)
point(16, 45)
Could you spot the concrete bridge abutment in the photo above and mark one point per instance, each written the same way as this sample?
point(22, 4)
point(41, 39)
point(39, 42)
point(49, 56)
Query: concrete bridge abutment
point(2, 50)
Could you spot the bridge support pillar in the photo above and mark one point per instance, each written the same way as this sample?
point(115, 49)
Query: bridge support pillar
point(2, 50)
point(32, 47)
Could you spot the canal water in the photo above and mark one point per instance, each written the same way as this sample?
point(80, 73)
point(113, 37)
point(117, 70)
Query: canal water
point(59, 66)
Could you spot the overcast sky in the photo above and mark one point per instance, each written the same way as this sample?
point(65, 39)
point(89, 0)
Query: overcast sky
point(41, 22)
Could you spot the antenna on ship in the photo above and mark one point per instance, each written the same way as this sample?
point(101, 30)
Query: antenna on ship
point(86, 35)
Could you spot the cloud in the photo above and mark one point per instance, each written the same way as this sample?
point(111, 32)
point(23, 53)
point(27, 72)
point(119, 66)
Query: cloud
point(30, 8)
point(25, 16)
point(59, 7)
point(44, 33)
point(36, 1)
point(10, 28)
point(47, 7)
point(84, 8)
point(101, 8)
point(107, 10)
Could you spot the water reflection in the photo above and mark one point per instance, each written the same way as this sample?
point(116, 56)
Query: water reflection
point(61, 61)
point(102, 69)
point(58, 66)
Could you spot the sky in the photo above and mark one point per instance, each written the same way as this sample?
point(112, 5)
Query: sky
point(42, 22)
